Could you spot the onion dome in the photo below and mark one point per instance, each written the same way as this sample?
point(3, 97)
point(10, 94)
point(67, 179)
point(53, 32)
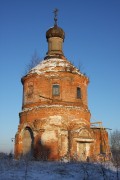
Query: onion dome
point(55, 32)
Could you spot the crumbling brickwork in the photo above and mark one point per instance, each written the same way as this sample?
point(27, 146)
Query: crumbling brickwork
point(55, 119)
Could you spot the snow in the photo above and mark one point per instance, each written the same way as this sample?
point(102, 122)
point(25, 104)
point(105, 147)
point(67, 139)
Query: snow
point(11, 169)
point(50, 106)
point(52, 64)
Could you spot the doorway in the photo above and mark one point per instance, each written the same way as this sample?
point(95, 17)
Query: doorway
point(83, 150)
point(28, 141)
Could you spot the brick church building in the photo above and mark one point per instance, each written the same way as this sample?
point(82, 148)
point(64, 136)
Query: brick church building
point(55, 118)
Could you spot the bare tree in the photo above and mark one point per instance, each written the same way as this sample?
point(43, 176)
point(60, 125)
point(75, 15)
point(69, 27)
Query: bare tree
point(35, 60)
point(115, 148)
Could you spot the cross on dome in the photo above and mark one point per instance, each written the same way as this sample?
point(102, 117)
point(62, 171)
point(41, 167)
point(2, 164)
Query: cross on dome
point(55, 16)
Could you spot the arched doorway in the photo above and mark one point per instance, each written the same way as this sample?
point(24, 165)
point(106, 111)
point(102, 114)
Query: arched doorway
point(28, 141)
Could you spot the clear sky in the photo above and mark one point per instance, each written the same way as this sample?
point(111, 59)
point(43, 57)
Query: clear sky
point(92, 29)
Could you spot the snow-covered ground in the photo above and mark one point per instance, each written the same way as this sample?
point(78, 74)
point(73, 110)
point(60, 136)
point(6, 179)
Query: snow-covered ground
point(37, 170)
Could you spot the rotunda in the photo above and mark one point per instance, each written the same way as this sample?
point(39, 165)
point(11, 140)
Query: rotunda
point(55, 119)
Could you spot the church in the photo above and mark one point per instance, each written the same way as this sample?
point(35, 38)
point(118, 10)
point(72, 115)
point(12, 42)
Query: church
point(55, 119)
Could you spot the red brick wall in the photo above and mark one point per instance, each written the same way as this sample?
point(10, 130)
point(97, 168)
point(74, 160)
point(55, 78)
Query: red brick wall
point(53, 119)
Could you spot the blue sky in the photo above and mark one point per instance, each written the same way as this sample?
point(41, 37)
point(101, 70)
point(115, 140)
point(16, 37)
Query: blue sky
point(92, 29)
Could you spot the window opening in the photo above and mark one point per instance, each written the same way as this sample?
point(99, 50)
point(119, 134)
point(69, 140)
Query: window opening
point(56, 90)
point(78, 93)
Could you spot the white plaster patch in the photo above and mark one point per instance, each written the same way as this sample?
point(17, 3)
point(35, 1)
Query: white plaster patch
point(48, 136)
point(56, 120)
point(87, 149)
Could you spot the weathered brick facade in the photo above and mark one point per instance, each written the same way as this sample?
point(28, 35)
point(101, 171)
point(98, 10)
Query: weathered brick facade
point(55, 119)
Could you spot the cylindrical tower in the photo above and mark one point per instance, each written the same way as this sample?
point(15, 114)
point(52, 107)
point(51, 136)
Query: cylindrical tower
point(55, 117)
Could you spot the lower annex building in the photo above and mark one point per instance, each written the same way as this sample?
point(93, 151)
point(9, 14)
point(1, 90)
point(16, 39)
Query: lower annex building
point(55, 119)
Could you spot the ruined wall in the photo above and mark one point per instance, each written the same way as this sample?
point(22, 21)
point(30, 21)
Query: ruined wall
point(101, 145)
point(37, 89)
point(57, 120)
point(52, 126)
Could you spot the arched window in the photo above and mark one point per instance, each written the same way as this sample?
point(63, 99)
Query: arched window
point(78, 92)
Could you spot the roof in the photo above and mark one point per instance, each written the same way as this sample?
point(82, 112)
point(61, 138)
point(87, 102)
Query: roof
point(55, 65)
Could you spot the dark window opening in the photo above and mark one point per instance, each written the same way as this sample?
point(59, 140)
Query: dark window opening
point(56, 90)
point(78, 93)
point(102, 148)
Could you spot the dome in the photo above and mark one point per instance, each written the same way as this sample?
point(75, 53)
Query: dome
point(55, 32)
point(54, 65)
